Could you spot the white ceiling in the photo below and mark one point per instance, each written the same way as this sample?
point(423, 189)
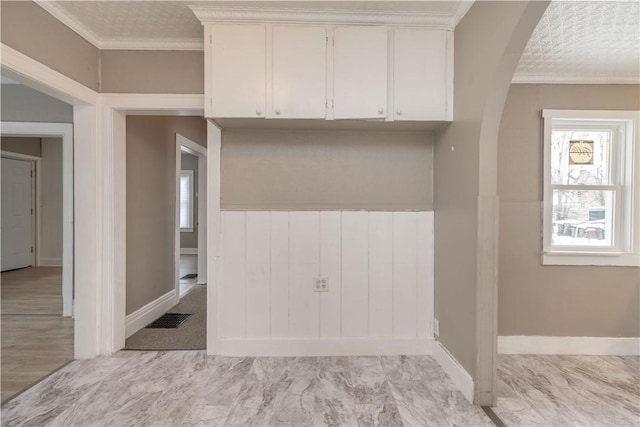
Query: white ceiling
point(576, 41)
point(584, 41)
point(150, 24)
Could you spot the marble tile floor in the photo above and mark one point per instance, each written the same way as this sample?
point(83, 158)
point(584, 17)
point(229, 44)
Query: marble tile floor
point(189, 388)
point(560, 390)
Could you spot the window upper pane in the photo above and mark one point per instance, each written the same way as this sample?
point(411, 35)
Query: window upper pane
point(185, 200)
point(581, 157)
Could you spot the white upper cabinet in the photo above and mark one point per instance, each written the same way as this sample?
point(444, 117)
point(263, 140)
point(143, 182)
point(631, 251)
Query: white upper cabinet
point(360, 72)
point(420, 85)
point(316, 71)
point(237, 76)
point(299, 72)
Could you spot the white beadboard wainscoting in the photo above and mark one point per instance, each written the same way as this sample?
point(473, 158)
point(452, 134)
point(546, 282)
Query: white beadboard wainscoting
point(379, 267)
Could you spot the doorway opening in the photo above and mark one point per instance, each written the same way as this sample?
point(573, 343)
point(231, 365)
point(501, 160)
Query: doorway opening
point(37, 247)
point(191, 203)
point(166, 239)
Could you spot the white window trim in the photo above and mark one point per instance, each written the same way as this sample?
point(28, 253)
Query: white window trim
point(190, 229)
point(628, 251)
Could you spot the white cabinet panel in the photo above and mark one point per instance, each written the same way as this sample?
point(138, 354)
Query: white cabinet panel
point(330, 267)
point(257, 274)
point(381, 274)
point(238, 70)
point(425, 274)
point(279, 232)
point(299, 72)
point(405, 258)
point(304, 266)
point(420, 74)
point(360, 72)
point(355, 274)
point(232, 282)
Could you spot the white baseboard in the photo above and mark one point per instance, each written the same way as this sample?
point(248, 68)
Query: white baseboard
point(150, 312)
point(50, 262)
point(460, 377)
point(188, 251)
point(324, 347)
point(597, 346)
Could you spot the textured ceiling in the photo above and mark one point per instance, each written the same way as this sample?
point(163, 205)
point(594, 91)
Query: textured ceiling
point(587, 41)
point(576, 41)
point(150, 24)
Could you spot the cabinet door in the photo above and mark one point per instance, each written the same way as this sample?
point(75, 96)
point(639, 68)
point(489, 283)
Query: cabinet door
point(419, 74)
point(238, 70)
point(360, 72)
point(299, 72)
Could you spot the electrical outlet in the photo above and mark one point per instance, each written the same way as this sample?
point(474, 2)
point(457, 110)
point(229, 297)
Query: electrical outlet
point(321, 284)
point(436, 327)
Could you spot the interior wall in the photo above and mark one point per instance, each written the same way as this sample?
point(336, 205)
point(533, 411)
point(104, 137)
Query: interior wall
point(151, 192)
point(29, 29)
point(152, 71)
point(20, 103)
point(21, 145)
point(553, 300)
point(51, 208)
point(189, 239)
point(326, 170)
point(488, 43)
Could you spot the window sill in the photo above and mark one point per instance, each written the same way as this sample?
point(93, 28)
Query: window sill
point(186, 230)
point(616, 259)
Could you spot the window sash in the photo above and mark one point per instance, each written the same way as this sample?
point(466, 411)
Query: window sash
point(186, 201)
point(624, 174)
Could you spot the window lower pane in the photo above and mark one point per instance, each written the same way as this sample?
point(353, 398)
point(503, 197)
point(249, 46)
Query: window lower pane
point(583, 218)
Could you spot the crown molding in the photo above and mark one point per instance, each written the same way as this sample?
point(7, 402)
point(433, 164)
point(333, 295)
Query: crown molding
point(152, 44)
point(521, 78)
point(208, 14)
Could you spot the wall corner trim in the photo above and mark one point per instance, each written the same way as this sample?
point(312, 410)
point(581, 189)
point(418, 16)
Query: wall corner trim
point(460, 377)
point(595, 346)
point(301, 347)
point(150, 312)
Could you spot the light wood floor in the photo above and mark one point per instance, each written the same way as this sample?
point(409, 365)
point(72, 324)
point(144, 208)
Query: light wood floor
point(36, 339)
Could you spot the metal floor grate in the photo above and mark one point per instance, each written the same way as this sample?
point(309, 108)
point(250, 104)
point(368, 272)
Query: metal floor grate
point(169, 321)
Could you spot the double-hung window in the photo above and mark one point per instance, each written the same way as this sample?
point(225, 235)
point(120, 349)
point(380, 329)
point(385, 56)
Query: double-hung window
point(186, 201)
point(591, 188)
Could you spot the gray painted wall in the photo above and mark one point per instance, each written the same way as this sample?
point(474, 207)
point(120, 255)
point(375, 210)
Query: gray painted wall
point(189, 162)
point(29, 29)
point(51, 209)
point(553, 300)
point(484, 52)
point(151, 171)
point(144, 71)
point(325, 170)
point(20, 103)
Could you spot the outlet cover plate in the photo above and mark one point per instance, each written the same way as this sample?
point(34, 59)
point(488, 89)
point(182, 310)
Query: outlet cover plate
point(321, 284)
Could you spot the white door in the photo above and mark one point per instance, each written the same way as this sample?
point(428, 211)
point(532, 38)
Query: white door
point(360, 72)
point(419, 74)
point(16, 214)
point(299, 72)
point(238, 70)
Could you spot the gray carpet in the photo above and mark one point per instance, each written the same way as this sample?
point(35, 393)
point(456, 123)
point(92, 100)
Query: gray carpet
point(191, 335)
